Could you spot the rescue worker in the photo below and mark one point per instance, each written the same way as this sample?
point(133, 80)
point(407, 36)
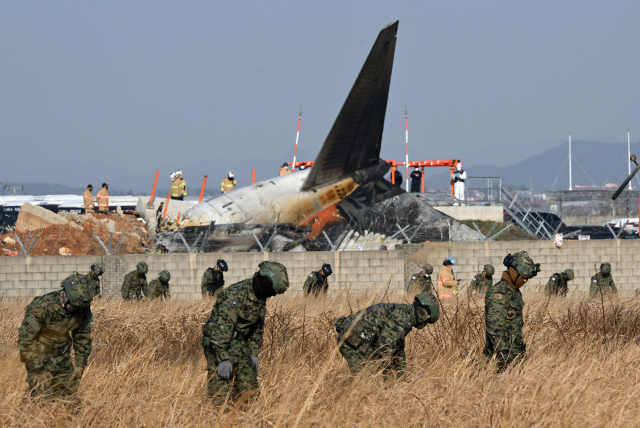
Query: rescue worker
point(503, 310)
point(447, 284)
point(174, 190)
point(318, 282)
point(557, 284)
point(213, 278)
point(45, 343)
point(182, 184)
point(89, 201)
point(482, 282)
point(228, 183)
point(379, 331)
point(421, 281)
point(397, 177)
point(103, 198)
point(284, 169)
point(459, 177)
point(232, 336)
point(416, 180)
point(94, 279)
point(602, 282)
point(159, 288)
point(135, 284)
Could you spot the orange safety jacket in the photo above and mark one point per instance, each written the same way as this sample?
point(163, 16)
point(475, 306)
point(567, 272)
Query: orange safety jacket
point(446, 282)
point(227, 185)
point(88, 200)
point(103, 199)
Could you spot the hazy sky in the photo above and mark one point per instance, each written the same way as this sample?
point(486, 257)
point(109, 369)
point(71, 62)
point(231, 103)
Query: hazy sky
point(98, 91)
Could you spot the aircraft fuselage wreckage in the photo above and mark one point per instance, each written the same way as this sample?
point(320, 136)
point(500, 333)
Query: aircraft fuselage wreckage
point(347, 165)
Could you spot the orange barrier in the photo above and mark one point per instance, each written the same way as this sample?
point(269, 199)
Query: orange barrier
point(204, 182)
point(253, 176)
point(155, 183)
point(178, 219)
point(166, 205)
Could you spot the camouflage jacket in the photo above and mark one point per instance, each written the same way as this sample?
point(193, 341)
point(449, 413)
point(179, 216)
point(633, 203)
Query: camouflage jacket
point(420, 284)
point(480, 283)
point(134, 286)
point(556, 285)
point(503, 317)
point(381, 331)
point(316, 283)
point(601, 282)
point(159, 290)
point(95, 283)
point(212, 281)
point(48, 330)
point(236, 324)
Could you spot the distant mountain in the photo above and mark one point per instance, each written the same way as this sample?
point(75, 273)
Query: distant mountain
point(592, 163)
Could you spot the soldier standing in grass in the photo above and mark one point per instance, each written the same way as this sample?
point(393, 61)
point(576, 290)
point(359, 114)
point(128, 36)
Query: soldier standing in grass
point(213, 278)
point(94, 278)
point(135, 284)
point(503, 310)
point(232, 336)
point(602, 282)
point(53, 325)
point(318, 282)
point(159, 288)
point(421, 281)
point(380, 330)
point(558, 283)
point(482, 282)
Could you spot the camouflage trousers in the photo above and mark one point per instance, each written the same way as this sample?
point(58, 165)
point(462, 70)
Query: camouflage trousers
point(357, 361)
point(61, 370)
point(244, 378)
point(507, 348)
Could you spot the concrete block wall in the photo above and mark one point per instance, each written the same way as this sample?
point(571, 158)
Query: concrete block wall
point(354, 270)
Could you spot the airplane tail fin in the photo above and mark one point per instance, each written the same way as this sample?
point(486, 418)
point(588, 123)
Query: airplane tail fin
point(356, 136)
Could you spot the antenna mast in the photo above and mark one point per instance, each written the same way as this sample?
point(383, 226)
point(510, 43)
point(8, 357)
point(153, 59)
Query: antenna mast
point(570, 163)
point(406, 132)
point(295, 152)
point(629, 154)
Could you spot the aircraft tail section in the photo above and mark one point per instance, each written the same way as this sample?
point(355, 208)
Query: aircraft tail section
point(356, 136)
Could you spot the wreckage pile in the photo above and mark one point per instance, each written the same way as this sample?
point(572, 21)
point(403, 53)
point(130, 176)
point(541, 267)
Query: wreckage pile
point(43, 232)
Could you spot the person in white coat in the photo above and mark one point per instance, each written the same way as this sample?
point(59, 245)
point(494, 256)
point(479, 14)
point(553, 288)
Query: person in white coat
point(459, 177)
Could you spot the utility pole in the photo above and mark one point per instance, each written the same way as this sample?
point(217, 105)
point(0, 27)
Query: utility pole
point(295, 152)
point(570, 184)
point(406, 133)
point(629, 155)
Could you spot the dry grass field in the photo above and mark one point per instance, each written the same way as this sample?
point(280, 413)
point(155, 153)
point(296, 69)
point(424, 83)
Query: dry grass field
point(147, 370)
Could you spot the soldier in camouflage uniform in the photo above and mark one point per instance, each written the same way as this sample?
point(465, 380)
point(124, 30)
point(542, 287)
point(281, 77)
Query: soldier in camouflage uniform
point(94, 279)
point(380, 331)
point(318, 282)
point(421, 281)
point(482, 282)
point(602, 282)
point(503, 310)
point(213, 278)
point(558, 283)
point(159, 288)
point(45, 343)
point(232, 336)
point(135, 284)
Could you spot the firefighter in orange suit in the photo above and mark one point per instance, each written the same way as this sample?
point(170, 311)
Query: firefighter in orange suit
point(229, 183)
point(88, 199)
point(103, 198)
point(447, 284)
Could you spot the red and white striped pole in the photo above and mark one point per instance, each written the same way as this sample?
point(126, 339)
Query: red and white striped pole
point(295, 153)
point(406, 131)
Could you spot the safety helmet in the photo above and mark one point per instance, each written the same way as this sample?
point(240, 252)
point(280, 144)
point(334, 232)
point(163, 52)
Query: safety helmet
point(165, 276)
point(222, 265)
point(459, 165)
point(302, 166)
point(427, 268)
point(429, 302)
point(142, 267)
point(231, 174)
point(78, 291)
point(97, 269)
point(605, 268)
point(276, 273)
point(451, 260)
point(172, 175)
point(285, 165)
point(179, 173)
point(569, 274)
point(489, 269)
point(326, 268)
point(523, 264)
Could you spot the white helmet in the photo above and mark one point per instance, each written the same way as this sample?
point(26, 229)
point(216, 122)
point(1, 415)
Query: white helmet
point(459, 165)
point(179, 173)
point(231, 174)
point(173, 175)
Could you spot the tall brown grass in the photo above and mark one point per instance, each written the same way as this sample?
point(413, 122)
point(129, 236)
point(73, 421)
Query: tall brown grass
point(147, 369)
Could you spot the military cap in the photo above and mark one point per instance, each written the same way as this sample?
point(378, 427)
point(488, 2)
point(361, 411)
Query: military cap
point(277, 273)
point(165, 276)
point(97, 269)
point(605, 268)
point(427, 268)
point(489, 269)
point(569, 274)
point(142, 267)
point(429, 301)
point(78, 291)
point(222, 265)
